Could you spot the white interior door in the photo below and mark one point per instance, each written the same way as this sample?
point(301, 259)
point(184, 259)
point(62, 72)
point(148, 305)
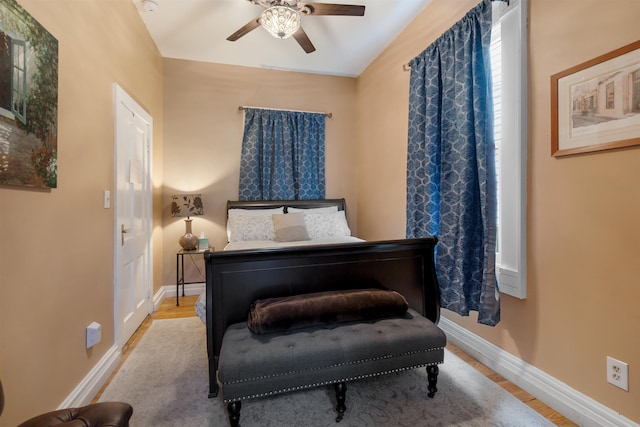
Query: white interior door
point(133, 272)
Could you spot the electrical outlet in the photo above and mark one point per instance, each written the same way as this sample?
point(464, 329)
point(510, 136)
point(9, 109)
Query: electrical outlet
point(618, 373)
point(94, 334)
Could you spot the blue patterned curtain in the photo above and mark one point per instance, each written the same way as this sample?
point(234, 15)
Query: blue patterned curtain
point(451, 183)
point(282, 155)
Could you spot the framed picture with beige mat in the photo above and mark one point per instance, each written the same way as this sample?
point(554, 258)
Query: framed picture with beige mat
point(595, 105)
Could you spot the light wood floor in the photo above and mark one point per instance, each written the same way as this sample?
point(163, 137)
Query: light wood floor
point(168, 310)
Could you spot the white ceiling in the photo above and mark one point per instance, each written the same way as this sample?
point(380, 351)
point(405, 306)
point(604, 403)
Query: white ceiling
point(345, 45)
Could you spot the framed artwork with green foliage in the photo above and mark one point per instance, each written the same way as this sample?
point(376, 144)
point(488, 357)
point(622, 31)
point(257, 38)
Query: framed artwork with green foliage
point(28, 100)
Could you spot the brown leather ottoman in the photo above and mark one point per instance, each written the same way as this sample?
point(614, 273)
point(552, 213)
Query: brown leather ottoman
point(103, 414)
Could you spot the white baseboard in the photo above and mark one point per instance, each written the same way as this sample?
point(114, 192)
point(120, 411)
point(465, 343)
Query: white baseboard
point(84, 392)
point(574, 405)
point(159, 297)
point(91, 384)
point(169, 291)
point(189, 289)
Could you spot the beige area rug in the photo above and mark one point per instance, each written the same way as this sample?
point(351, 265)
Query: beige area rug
point(165, 379)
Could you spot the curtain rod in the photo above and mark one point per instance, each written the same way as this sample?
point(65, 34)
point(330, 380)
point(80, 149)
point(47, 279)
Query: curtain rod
point(244, 107)
point(406, 67)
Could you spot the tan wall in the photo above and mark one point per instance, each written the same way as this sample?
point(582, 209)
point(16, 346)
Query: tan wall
point(203, 139)
point(583, 246)
point(56, 247)
point(583, 234)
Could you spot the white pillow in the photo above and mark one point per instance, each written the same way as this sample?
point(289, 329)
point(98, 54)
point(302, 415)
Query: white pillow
point(255, 212)
point(241, 228)
point(328, 209)
point(322, 225)
point(235, 233)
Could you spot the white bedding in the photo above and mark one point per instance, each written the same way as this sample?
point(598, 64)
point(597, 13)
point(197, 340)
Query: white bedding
point(272, 244)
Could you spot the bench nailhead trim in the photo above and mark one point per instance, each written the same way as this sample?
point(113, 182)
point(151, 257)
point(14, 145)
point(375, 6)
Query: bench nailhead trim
point(286, 390)
point(332, 381)
point(386, 356)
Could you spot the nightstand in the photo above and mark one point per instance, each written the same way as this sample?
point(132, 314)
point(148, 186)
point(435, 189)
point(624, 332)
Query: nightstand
point(180, 269)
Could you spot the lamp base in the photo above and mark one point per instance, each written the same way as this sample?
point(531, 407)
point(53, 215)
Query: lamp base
point(188, 241)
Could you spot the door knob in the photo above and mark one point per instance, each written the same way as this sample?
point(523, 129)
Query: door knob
point(123, 231)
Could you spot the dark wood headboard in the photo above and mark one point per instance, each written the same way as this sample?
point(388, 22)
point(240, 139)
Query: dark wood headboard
point(235, 279)
point(302, 204)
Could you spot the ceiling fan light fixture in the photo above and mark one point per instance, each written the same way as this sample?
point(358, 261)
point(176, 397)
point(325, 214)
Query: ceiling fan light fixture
point(150, 5)
point(281, 21)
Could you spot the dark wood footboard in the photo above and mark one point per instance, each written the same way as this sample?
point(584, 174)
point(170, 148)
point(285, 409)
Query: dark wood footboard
point(234, 279)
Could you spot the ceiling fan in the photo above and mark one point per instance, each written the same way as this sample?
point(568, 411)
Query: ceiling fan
point(282, 18)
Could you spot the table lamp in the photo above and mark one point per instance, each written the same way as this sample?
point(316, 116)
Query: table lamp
point(187, 205)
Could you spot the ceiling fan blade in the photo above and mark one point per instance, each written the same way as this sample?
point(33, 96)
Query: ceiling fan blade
point(333, 9)
point(303, 40)
point(251, 25)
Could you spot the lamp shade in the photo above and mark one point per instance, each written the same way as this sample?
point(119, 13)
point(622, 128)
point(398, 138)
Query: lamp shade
point(186, 205)
point(281, 21)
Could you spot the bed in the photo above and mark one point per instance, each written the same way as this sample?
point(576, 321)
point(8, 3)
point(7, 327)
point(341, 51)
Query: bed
point(250, 223)
point(241, 274)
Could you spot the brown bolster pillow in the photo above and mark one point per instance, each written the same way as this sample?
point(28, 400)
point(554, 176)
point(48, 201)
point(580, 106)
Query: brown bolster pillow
point(300, 311)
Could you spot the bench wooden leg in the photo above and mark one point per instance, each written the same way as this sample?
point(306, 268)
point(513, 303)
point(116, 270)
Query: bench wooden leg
point(432, 376)
point(341, 397)
point(234, 413)
point(213, 390)
point(213, 382)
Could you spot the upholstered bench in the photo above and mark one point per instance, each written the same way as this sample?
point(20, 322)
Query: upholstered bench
point(253, 365)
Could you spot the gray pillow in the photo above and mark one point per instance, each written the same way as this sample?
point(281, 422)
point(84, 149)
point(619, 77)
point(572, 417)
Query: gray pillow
point(290, 227)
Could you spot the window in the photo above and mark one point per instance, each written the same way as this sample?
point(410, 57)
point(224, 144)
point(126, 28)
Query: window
point(19, 79)
point(509, 67)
